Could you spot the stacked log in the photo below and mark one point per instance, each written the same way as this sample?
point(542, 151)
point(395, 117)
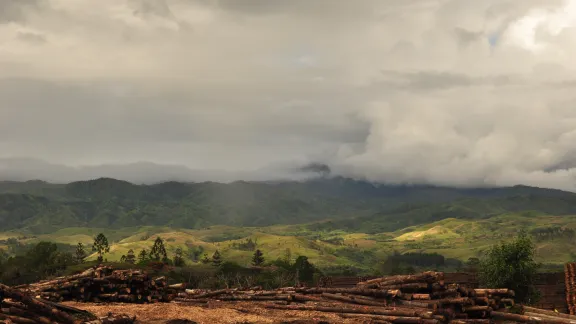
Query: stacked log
point(19, 307)
point(420, 298)
point(570, 281)
point(104, 284)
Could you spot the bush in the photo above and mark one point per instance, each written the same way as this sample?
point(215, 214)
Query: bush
point(511, 265)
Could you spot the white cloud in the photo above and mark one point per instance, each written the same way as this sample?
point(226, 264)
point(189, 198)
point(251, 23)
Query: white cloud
point(409, 90)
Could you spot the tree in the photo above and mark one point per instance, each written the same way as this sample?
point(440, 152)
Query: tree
point(142, 256)
point(258, 258)
point(288, 256)
point(158, 251)
point(101, 246)
point(123, 259)
point(178, 258)
point(304, 269)
point(512, 265)
point(130, 257)
point(216, 259)
point(80, 253)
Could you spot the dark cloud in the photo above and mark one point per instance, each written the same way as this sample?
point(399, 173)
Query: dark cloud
point(433, 80)
point(31, 37)
point(15, 10)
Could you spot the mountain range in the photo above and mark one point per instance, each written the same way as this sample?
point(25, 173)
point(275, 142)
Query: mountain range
point(322, 203)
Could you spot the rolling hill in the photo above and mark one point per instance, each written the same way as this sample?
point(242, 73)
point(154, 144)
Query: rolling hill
point(337, 222)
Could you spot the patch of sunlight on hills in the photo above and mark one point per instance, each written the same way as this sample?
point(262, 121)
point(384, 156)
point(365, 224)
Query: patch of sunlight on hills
point(436, 232)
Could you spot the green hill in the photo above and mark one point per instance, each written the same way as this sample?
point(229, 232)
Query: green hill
point(336, 222)
point(39, 207)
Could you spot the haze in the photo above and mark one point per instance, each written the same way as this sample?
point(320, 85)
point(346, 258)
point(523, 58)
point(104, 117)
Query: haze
point(447, 92)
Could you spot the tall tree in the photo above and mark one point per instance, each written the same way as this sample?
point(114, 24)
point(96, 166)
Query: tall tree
point(512, 265)
point(288, 256)
point(216, 259)
point(258, 258)
point(130, 257)
point(158, 251)
point(178, 257)
point(142, 256)
point(101, 246)
point(80, 254)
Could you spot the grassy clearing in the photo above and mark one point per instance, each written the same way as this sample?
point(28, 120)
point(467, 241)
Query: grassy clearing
point(453, 238)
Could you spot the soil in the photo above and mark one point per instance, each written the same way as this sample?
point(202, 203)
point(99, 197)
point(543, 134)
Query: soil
point(214, 313)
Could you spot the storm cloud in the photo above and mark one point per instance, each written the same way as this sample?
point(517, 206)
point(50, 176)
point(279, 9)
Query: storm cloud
point(446, 92)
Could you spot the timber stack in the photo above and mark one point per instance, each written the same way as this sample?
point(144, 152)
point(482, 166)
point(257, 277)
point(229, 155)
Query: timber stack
point(21, 308)
point(104, 284)
point(421, 298)
point(570, 280)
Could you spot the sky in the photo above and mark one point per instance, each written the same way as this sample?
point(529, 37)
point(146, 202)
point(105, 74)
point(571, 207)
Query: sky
point(447, 92)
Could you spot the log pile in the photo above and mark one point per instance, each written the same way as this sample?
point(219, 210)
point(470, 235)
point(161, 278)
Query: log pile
point(21, 308)
point(570, 281)
point(421, 298)
point(104, 284)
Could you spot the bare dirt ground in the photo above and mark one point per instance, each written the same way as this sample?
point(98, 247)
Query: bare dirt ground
point(214, 313)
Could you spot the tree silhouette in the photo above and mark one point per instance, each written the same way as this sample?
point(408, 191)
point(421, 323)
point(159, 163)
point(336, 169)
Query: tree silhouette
point(158, 251)
point(178, 258)
point(101, 246)
point(257, 258)
point(216, 259)
point(80, 253)
point(142, 256)
point(130, 257)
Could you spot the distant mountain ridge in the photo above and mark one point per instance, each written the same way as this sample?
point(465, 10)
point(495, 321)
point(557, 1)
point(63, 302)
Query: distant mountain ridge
point(41, 207)
point(24, 169)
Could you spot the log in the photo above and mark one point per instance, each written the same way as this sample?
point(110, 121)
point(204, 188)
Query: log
point(86, 273)
point(469, 309)
point(190, 301)
point(17, 319)
point(415, 304)
point(178, 286)
point(404, 279)
point(517, 317)
point(421, 297)
point(352, 291)
point(547, 312)
point(550, 318)
point(304, 298)
point(18, 312)
point(212, 293)
point(35, 304)
point(496, 291)
point(447, 293)
point(352, 300)
point(254, 298)
point(447, 301)
point(407, 287)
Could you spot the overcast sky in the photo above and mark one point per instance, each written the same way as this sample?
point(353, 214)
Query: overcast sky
point(455, 92)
